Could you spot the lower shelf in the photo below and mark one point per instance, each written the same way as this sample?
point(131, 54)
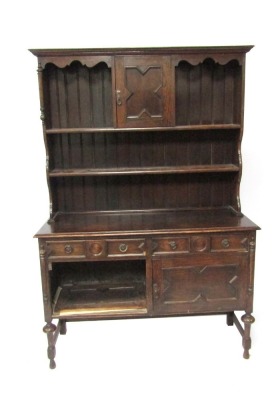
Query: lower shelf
point(88, 289)
point(89, 300)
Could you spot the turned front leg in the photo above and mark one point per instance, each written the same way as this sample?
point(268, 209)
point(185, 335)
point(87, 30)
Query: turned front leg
point(50, 329)
point(247, 319)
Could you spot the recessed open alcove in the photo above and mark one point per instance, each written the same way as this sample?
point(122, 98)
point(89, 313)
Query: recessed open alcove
point(84, 288)
point(77, 96)
point(208, 93)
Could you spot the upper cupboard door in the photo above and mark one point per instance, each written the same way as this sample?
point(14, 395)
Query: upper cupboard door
point(143, 91)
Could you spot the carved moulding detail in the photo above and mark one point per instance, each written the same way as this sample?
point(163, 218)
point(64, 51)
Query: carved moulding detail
point(39, 68)
point(196, 59)
point(47, 163)
point(244, 243)
point(252, 244)
point(229, 280)
point(42, 115)
point(62, 62)
point(146, 74)
point(51, 208)
point(42, 251)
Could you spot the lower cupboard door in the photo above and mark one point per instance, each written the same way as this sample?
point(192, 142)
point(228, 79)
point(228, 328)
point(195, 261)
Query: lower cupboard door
point(200, 284)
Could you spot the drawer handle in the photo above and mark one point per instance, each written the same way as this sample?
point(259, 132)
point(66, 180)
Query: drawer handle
point(173, 245)
point(123, 247)
point(68, 249)
point(225, 243)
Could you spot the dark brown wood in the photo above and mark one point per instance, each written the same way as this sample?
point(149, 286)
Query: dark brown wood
point(200, 283)
point(143, 91)
point(52, 333)
point(77, 96)
point(144, 166)
point(230, 318)
point(196, 84)
point(133, 223)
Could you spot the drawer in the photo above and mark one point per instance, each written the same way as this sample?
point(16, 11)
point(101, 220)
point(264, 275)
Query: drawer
point(131, 247)
point(229, 243)
point(64, 249)
point(170, 245)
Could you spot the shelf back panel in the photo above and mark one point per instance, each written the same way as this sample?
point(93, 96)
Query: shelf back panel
point(142, 149)
point(143, 192)
point(77, 96)
point(208, 93)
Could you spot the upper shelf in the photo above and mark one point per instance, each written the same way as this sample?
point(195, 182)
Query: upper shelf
point(185, 169)
point(146, 129)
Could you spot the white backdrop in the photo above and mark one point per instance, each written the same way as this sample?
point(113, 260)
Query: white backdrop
point(175, 358)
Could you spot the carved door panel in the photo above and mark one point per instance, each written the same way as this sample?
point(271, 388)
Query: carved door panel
point(143, 91)
point(200, 284)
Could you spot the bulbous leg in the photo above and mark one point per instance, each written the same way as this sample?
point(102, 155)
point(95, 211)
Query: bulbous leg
point(247, 319)
point(49, 329)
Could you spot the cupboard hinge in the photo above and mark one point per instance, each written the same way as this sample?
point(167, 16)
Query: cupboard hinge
point(118, 97)
point(155, 291)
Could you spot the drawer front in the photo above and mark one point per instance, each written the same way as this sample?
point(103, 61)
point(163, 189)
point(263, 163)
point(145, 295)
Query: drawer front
point(170, 245)
point(197, 244)
point(229, 243)
point(131, 247)
point(66, 249)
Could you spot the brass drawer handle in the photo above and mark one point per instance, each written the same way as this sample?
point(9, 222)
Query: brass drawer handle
point(225, 243)
point(123, 247)
point(68, 249)
point(173, 245)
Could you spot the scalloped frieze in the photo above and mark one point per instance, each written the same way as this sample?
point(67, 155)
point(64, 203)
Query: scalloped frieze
point(62, 62)
point(195, 59)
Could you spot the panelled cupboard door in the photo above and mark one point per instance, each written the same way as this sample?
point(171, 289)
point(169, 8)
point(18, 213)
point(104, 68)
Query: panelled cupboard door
point(143, 91)
point(200, 284)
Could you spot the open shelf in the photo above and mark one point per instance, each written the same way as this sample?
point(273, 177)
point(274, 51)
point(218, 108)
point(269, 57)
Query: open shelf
point(99, 288)
point(133, 153)
point(143, 192)
point(192, 127)
point(185, 169)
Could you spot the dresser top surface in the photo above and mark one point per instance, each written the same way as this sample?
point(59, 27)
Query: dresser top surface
point(144, 223)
